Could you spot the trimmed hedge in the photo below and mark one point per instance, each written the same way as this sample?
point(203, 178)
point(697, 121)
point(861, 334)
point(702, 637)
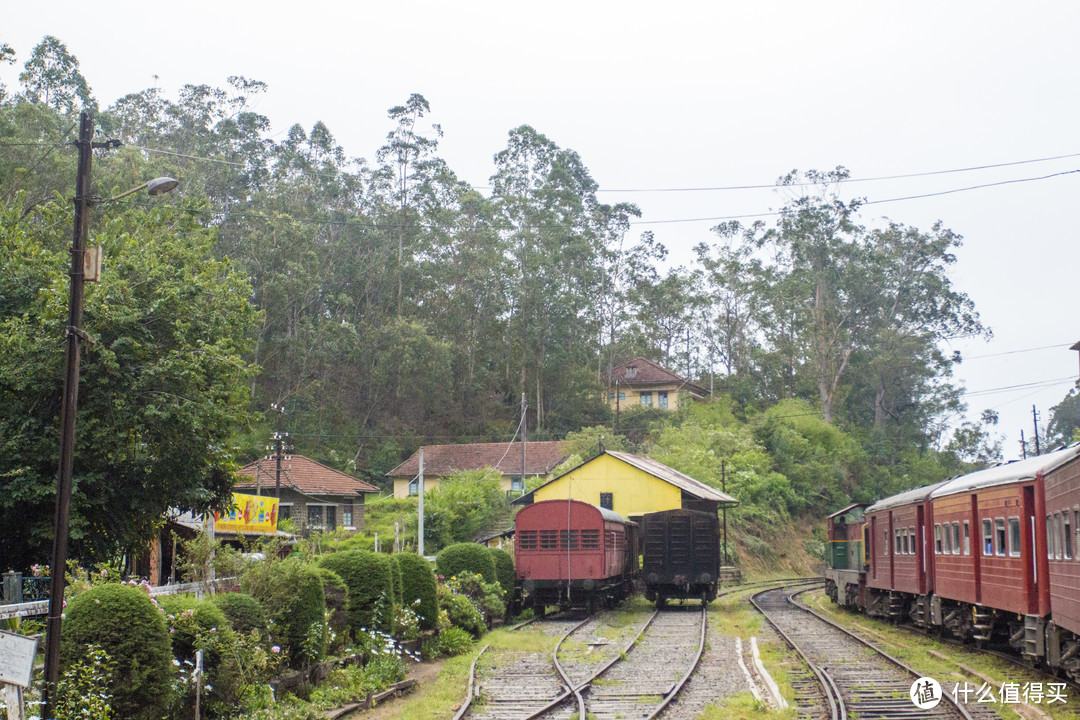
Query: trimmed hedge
point(121, 620)
point(504, 568)
point(418, 583)
point(208, 618)
point(395, 575)
point(368, 576)
point(337, 599)
point(292, 593)
point(245, 613)
point(466, 556)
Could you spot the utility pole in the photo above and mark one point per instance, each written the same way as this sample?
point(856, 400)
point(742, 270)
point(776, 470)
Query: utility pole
point(1023, 444)
point(1035, 419)
point(524, 430)
point(73, 334)
point(616, 404)
point(280, 445)
point(723, 487)
point(420, 492)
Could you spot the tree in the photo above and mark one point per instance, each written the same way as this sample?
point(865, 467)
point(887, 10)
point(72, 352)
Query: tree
point(51, 76)
point(1064, 420)
point(163, 378)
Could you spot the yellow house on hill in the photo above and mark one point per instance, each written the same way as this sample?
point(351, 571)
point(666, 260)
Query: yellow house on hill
point(630, 485)
point(643, 383)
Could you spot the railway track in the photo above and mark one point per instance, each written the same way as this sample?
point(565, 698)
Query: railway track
point(634, 679)
point(849, 677)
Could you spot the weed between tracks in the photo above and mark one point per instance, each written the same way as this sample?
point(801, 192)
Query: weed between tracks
point(744, 706)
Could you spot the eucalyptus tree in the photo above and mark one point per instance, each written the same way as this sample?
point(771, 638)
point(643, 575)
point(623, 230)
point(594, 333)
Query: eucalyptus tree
point(51, 77)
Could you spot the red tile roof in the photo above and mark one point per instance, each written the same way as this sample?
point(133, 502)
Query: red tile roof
point(441, 460)
point(643, 372)
point(303, 475)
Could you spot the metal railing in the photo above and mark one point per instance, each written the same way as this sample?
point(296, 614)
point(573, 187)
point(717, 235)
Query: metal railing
point(41, 607)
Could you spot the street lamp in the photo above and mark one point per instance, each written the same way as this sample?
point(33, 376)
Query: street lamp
point(73, 334)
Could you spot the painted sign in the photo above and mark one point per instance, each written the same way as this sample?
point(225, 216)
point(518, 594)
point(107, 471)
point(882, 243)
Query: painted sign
point(17, 658)
point(250, 513)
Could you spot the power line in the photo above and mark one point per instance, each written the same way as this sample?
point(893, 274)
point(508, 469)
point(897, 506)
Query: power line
point(1014, 352)
point(189, 157)
point(1020, 386)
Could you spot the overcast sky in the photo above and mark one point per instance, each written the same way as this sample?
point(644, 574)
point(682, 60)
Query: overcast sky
point(687, 95)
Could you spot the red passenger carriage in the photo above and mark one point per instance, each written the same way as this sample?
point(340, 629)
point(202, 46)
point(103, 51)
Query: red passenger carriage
point(571, 553)
point(1062, 520)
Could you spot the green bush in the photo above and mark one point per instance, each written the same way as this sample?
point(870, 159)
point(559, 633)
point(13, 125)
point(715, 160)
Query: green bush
point(395, 575)
point(122, 621)
point(461, 611)
point(487, 597)
point(292, 593)
point(504, 569)
point(467, 557)
point(195, 625)
point(455, 641)
point(368, 577)
point(337, 605)
point(418, 583)
point(244, 612)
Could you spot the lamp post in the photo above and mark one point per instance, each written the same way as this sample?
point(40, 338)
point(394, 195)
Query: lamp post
point(73, 335)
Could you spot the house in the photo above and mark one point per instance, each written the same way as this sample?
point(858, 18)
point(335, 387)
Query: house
point(313, 496)
point(630, 485)
point(643, 383)
point(504, 458)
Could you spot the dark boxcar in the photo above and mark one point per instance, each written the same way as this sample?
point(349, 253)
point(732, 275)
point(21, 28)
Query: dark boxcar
point(682, 555)
point(573, 554)
point(900, 575)
point(1062, 519)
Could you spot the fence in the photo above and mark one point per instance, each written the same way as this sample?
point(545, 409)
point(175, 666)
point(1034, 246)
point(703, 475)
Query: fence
point(41, 607)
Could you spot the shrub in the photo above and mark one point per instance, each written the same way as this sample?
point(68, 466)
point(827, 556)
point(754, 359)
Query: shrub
point(504, 569)
point(395, 575)
point(200, 625)
point(368, 577)
point(122, 621)
point(466, 557)
point(461, 611)
point(244, 612)
point(487, 597)
point(455, 641)
point(418, 583)
point(292, 593)
point(337, 605)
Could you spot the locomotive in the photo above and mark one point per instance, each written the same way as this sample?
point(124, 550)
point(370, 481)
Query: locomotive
point(573, 554)
point(989, 557)
point(682, 555)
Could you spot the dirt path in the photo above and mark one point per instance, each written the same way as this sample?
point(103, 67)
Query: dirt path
point(424, 674)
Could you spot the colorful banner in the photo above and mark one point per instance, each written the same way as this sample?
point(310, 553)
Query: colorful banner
point(250, 514)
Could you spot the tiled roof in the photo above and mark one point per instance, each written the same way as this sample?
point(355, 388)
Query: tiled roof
point(643, 372)
point(441, 460)
point(303, 475)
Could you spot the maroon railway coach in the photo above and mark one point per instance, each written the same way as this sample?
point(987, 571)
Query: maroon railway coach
point(1062, 520)
point(573, 554)
point(900, 575)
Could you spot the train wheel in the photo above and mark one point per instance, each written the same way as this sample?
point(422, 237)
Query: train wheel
point(540, 609)
point(705, 598)
point(661, 601)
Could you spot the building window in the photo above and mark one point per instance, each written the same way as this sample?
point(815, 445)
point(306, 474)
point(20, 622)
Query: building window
point(967, 537)
point(956, 538)
point(314, 516)
point(988, 537)
point(606, 501)
point(331, 517)
point(517, 484)
point(661, 399)
point(646, 398)
point(414, 486)
point(284, 511)
point(346, 513)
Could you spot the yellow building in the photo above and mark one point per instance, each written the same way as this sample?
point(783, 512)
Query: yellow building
point(631, 485)
point(643, 383)
point(503, 458)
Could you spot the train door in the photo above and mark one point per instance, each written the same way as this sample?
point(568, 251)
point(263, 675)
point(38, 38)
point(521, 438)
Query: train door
point(1030, 558)
point(873, 547)
point(865, 546)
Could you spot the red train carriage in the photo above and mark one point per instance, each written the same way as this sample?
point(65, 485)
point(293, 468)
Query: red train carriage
point(996, 583)
point(1062, 519)
point(901, 572)
point(573, 554)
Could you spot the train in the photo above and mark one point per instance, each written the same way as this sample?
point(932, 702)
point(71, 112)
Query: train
point(572, 554)
point(990, 557)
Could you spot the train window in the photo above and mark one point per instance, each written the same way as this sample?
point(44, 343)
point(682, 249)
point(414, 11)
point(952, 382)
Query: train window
point(1057, 536)
point(999, 536)
point(911, 534)
point(904, 538)
point(1069, 530)
point(526, 540)
point(590, 539)
point(967, 537)
point(956, 538)
point(568, 539)
point(937, 538)
point(1050, 537)
point(885, 543)
point(549, 539)
point(1014, 537)
point(988, 537)
point(946, 544)
point(898, 552)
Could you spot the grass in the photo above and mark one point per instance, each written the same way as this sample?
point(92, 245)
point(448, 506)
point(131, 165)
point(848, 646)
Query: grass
point(744, 706)
point(911, 648)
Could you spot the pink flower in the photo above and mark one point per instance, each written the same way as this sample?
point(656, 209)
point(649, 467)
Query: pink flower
point(275, 649)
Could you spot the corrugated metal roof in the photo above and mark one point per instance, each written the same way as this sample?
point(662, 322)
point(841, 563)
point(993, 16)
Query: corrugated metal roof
point(1005, 473)
point(541, 457)
point(915, 495)
point(670, 475)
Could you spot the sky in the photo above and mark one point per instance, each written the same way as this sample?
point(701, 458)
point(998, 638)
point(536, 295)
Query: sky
point(659, 100)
